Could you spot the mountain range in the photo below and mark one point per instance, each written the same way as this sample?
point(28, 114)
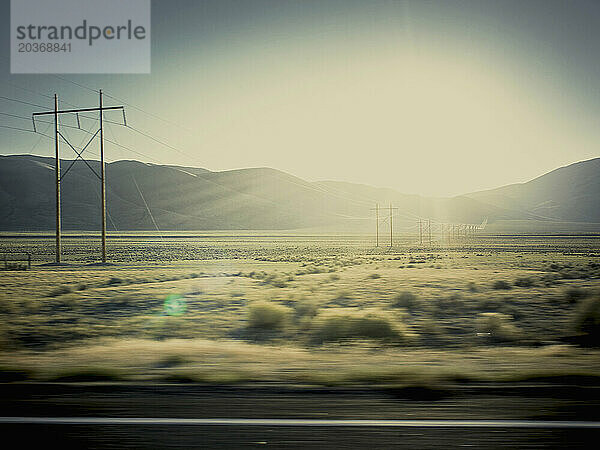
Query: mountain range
point(143, 196)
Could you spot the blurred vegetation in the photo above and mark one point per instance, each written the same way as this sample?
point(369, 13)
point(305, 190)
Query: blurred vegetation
point(343, 324)
point(498, 327)
point(268, 316)
point(406, 300)
point(587, 322)
point(315, 298)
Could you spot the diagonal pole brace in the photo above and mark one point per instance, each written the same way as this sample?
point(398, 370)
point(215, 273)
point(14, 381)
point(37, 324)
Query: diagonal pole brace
point(79, 154)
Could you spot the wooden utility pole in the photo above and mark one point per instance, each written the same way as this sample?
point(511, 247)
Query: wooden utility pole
point(421, 231)
point(102, 182)
point(391, 226)
point(57, 170)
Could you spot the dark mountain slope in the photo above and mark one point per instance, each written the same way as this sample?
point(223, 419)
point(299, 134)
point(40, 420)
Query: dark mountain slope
point(143, 196)
point(568, 193)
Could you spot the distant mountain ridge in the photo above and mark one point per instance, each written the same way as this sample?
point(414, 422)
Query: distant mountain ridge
point(568, 193)
point(143, 196)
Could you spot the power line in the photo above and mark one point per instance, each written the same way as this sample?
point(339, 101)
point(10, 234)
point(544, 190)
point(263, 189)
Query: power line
point(145, 204)
point(40, 106)
point(55, 76)
point(15, 128)
point(39, 139)
point(75, 83)
point(148, 113)
point(21, 101)
point(15, 115)
point(158, 140)
point(88, 88)
point(131, 105)
point(28, 90)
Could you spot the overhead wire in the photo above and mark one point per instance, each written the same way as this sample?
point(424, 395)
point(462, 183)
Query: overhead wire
point(21, 101)
point(16, 128)
point(147, 112)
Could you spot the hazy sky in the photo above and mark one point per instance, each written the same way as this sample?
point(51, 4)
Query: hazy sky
point(430, 97)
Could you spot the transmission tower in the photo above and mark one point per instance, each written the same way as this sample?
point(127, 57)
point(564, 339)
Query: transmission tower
point(57, 134)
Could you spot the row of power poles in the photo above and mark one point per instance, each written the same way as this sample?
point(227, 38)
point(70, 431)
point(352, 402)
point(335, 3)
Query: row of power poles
point(58, 136)
point(449, 231)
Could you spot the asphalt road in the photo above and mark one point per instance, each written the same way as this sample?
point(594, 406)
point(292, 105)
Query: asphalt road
point(107, 416)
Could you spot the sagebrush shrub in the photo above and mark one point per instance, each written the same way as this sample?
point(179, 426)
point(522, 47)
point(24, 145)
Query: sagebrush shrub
point(501, 285)
point(498, 326)
point(525, 282)
point(306, 308)
point(406, 300)
point(342, 324)
point(472, 287)
point(60, 290)
point(586, 323)
point(267, 315)
point(573, 295)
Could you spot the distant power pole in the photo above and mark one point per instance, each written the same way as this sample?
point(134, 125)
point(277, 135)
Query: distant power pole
point(421, 231)
point(377, 225)
point(376, 209)
point(429, 229)
point(392, 225)
point(57, 136)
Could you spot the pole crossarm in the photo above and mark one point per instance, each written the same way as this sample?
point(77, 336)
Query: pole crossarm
point(77, 111)
point(65, 111)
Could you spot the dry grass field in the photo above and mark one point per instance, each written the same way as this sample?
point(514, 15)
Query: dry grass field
point(224, 308)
